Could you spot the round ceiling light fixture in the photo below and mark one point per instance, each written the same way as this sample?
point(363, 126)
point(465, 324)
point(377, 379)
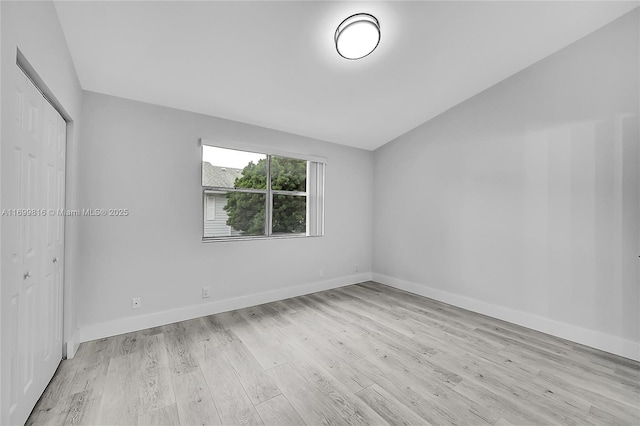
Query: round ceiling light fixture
point(357, 36)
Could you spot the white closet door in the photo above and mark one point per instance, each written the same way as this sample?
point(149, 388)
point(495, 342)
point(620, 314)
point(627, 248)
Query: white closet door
point(13, 286)
point(31, 289)
point(52, 242)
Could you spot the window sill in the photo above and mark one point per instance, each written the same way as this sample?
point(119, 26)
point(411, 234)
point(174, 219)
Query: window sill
point(271, 237)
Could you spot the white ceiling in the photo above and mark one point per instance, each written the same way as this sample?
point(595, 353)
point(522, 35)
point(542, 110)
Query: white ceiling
point(274, 64)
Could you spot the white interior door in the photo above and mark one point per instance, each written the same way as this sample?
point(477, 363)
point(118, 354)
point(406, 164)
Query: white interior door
point(32, 238)
point(53, 158)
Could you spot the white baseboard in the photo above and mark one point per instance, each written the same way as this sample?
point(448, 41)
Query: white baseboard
point(595, 339)
point(129, 324)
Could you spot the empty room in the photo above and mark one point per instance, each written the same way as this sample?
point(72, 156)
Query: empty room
point(320, 213)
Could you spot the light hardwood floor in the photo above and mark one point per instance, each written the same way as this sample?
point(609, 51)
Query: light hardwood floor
point(364, 354)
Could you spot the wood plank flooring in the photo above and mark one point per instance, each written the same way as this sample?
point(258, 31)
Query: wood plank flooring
point(365, 354)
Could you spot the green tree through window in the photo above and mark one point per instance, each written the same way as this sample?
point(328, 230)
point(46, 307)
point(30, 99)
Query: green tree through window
point(246, 211)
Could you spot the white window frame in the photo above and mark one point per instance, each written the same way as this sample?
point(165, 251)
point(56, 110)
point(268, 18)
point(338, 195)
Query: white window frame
point(314, 193)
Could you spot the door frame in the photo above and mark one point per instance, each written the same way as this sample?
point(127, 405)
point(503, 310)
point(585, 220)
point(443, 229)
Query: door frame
point(68, 344)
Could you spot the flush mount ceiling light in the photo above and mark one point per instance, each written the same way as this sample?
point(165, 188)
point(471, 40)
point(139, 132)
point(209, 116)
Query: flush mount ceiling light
point(357, 36)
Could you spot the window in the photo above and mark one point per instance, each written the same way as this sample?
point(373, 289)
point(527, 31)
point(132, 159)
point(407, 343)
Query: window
point(249, 194)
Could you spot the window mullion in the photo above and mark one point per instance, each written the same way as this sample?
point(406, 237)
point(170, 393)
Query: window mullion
point(296, 193)
point(268, 226)
point(217, 190)
point(309, 229)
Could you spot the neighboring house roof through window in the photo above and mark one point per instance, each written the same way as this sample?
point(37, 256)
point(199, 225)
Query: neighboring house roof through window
point(221, 177)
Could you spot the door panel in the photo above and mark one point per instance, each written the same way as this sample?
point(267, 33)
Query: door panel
point(30, 201)
point(59, 283)
point(48, 294)
point(14, 232)
point(12, 253)
point(30, 288)
point(51, 259)
point(27, 336)
point(14, 324)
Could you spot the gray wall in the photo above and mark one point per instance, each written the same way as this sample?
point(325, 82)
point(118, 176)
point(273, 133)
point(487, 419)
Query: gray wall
point(147, 158)
point(522, 202)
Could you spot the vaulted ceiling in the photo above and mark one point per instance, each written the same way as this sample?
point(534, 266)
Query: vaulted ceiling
point(274, 64)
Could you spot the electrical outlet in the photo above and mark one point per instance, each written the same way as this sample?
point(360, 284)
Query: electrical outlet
point(357, 267)
point(321, 273)
point(136, 303)
point(205, 292)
